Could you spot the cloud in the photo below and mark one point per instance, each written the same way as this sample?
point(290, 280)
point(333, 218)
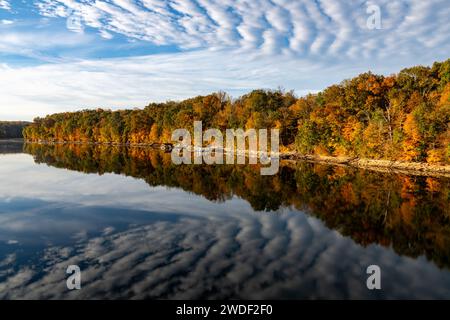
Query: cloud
point(27, 92)
point(14, 41)
point(308, 28)
point(106, 35)
point(134, 82)
point(228, 45)
point(5, 5)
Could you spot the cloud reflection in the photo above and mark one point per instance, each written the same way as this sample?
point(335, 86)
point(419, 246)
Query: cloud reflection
point(257, 256)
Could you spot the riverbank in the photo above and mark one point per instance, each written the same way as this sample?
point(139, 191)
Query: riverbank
point(410, 168)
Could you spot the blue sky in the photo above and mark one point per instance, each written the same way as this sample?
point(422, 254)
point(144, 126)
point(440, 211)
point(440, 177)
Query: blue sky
point(64, 55)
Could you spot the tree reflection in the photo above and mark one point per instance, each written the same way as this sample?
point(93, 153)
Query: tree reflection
point(409, 213)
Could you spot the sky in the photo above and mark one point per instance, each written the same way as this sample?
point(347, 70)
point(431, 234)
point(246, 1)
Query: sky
point(66, 55)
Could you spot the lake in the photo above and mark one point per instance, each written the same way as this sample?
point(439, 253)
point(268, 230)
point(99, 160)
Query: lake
point(140, 227)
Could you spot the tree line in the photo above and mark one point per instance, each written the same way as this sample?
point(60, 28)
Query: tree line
point(12, 129)
point(405, 116)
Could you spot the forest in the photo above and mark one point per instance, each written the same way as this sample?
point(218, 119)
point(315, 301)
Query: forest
point(405, 116)
point(12, 129)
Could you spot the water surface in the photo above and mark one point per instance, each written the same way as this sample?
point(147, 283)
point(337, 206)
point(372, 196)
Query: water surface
point(141, 227)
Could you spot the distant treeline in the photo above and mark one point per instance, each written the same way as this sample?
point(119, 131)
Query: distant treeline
point(12, 129)
point(399, 117)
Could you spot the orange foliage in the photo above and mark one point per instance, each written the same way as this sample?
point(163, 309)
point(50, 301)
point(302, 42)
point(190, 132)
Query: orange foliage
point(410, 146)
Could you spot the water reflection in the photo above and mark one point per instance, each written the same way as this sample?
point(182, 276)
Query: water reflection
point(8, 146)
point(217, 232)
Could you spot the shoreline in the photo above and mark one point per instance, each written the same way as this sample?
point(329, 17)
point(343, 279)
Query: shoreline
point(12, 140)
point(410, 168)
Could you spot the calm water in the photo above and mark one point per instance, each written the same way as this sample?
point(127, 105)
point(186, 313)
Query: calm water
point(140, 227)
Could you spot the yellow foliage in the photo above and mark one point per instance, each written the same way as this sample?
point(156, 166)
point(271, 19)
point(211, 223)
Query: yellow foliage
point(373, 140)
point(352, 129)
point(340, 151)
point(321, 151)
point(410, 127)
point(445, 96)
point(435, 156)
point(153, 136)
point(410, 152)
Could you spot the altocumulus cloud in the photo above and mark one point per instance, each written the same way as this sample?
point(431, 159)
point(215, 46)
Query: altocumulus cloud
point(220, 45)
point(308, 28)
